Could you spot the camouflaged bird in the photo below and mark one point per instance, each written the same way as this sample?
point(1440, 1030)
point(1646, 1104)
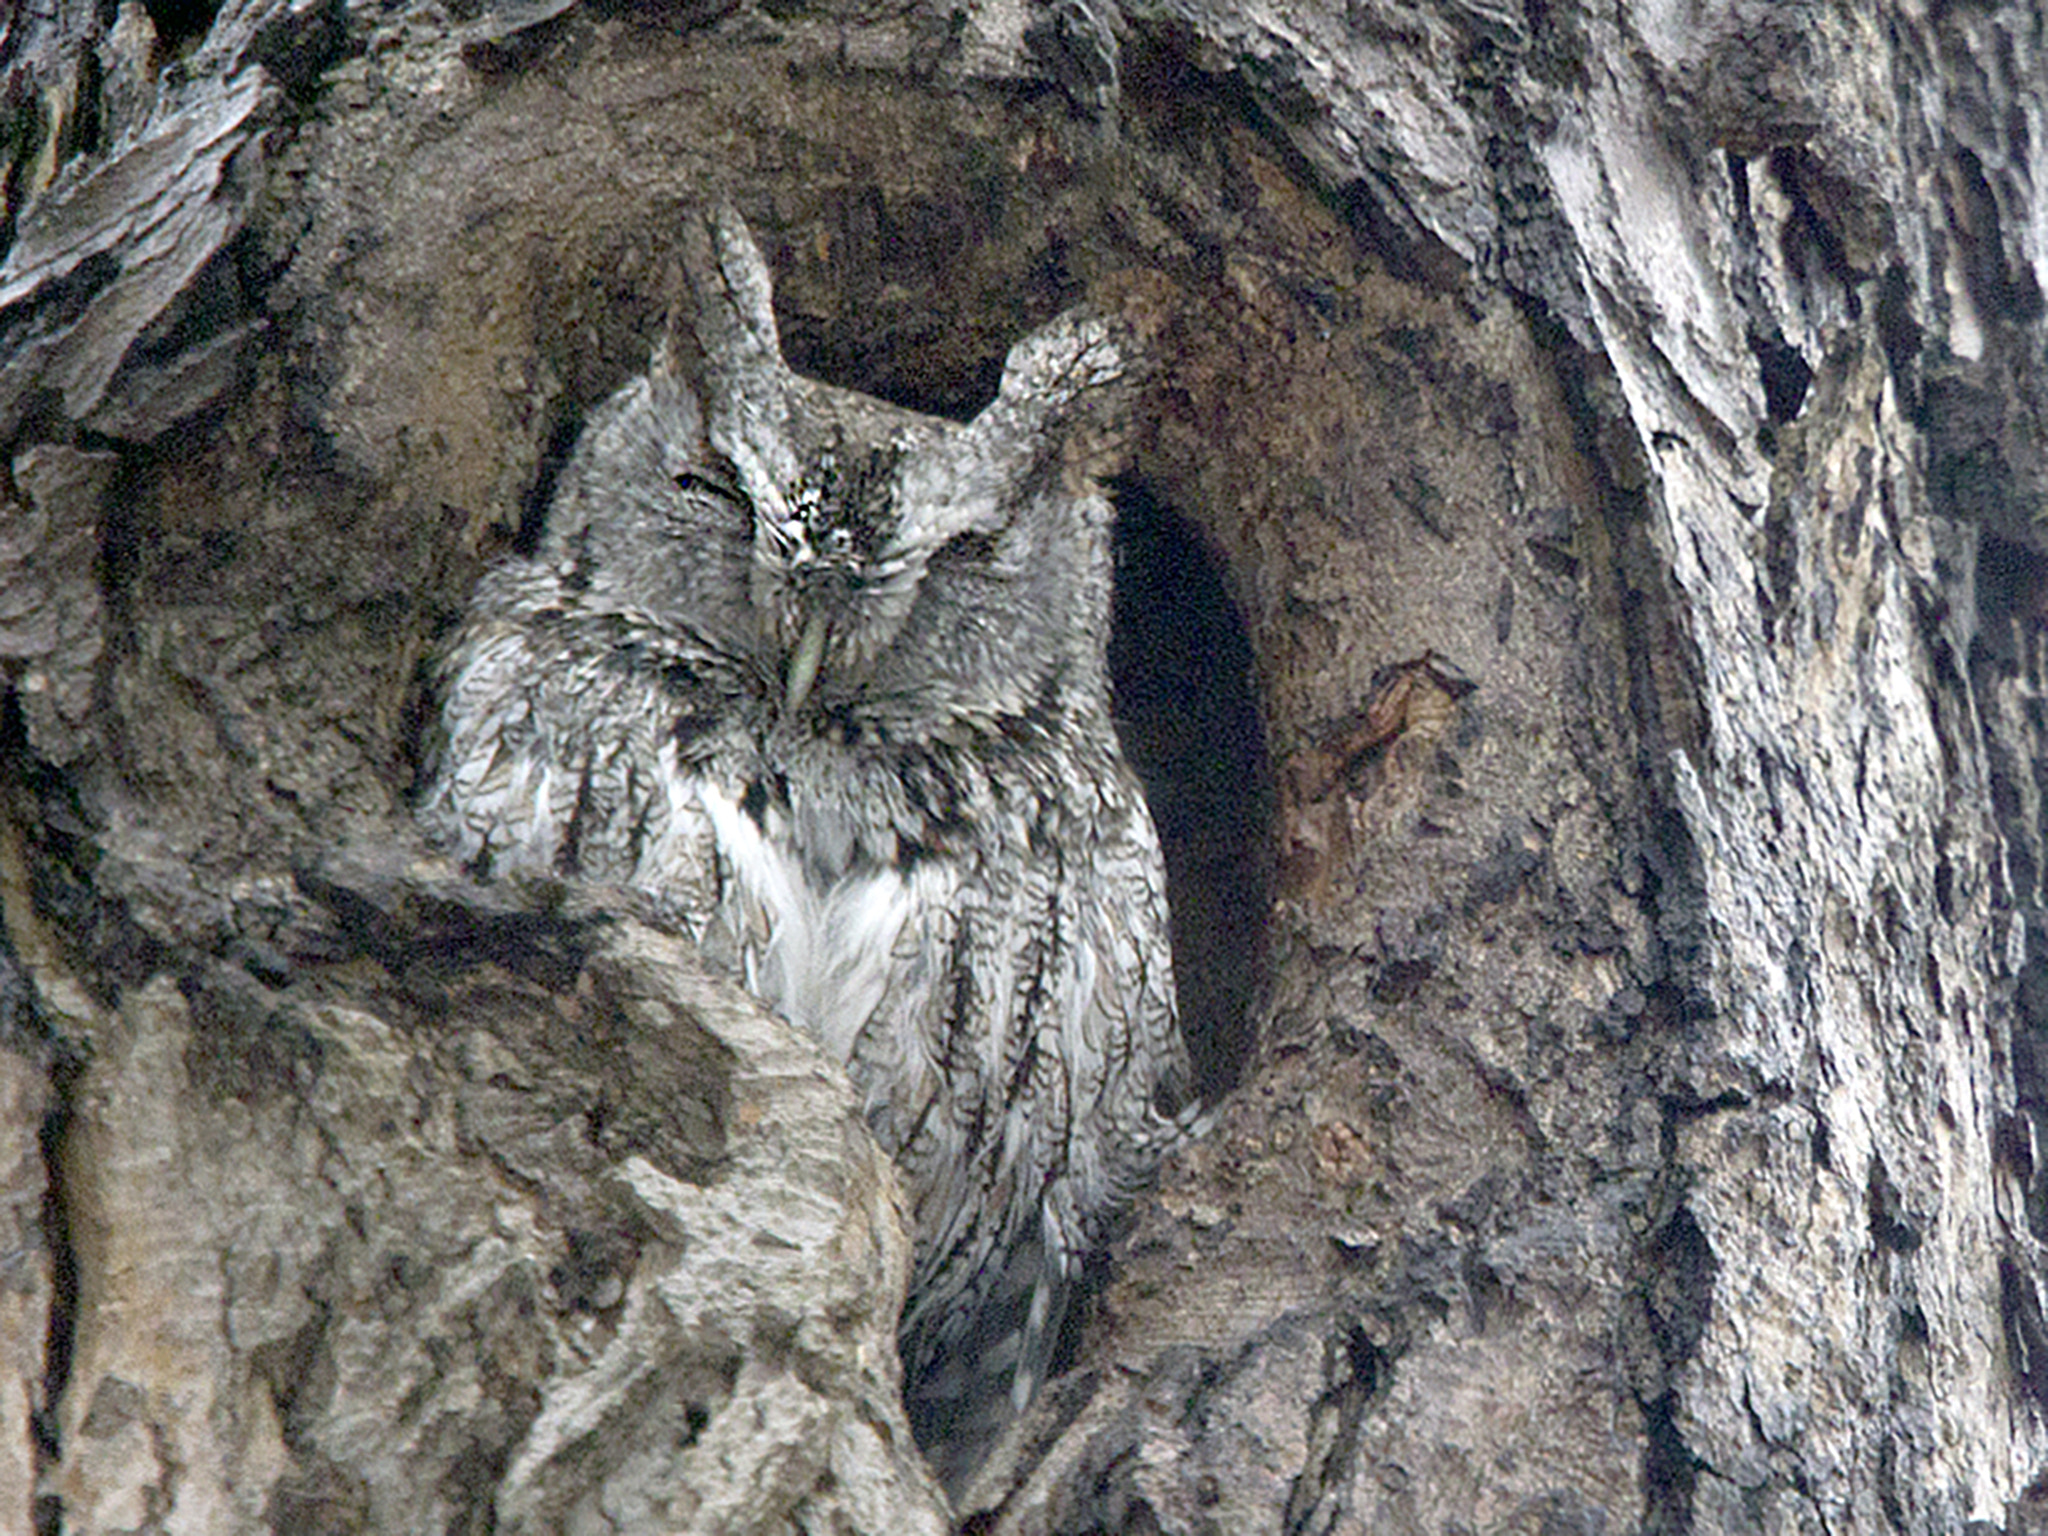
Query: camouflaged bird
point(826, 678)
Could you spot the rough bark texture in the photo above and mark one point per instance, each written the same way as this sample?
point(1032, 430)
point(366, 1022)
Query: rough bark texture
point(1619, 429)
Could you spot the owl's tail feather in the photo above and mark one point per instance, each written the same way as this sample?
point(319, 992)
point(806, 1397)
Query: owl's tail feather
point(981, 1341)
point(1041, 1331)
point(971, 1371)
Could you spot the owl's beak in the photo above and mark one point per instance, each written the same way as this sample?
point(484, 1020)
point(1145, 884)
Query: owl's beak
point(804, 661)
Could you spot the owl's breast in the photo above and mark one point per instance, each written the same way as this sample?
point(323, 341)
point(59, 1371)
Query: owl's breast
point(816, 920)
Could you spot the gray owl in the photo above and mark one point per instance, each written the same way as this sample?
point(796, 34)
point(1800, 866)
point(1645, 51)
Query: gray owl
point(826, 678)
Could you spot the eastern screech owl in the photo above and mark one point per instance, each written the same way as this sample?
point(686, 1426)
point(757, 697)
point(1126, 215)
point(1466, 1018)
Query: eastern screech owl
point(826, 678)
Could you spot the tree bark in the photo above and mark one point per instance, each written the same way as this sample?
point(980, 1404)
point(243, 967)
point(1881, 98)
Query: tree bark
point(1583, 620)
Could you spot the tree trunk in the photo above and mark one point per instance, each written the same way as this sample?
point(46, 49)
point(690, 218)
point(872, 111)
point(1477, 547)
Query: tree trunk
point(1583, 620)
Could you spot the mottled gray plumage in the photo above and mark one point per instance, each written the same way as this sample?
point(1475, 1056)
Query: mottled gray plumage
point(827, 678)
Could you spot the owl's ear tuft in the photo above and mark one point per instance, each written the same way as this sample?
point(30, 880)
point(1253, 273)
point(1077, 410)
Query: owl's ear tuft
point(677, 414)
point(1066, 374)
point(735, 322)
point(665, 376)
point(1077, 353)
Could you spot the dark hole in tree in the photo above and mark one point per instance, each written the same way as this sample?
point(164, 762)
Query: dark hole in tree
point(1187, 713)
point(179, 21)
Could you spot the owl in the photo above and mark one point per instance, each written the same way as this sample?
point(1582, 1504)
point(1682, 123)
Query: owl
point(826, 679)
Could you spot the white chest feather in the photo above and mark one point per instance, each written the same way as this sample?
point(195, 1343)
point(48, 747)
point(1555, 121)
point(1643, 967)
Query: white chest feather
point(819, 953)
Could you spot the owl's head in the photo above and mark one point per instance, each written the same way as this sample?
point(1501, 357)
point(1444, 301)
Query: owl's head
point(722, 514)
point(850, 500)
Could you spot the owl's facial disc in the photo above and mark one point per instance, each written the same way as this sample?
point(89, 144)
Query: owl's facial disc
point(839, 587)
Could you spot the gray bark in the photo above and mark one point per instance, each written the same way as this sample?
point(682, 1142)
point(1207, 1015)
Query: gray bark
point(1619, 429)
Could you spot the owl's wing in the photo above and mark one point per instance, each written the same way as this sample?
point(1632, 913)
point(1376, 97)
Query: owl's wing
point(1036, 1036)
point(559, 758)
